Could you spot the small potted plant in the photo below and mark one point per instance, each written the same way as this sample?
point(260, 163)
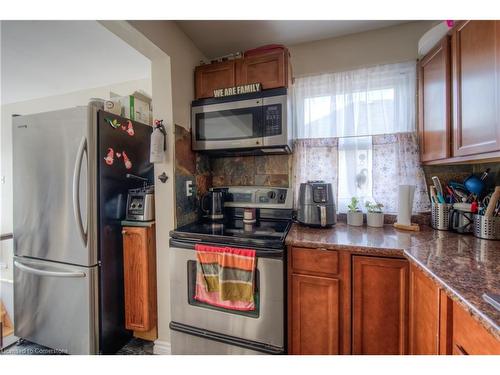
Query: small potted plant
point(354, 215)
point(374, 214)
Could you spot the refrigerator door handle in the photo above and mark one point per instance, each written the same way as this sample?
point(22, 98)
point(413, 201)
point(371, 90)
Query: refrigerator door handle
point(76, 190)
point(37, 271)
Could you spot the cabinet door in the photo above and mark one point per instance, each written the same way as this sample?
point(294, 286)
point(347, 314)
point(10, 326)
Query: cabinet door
point(476, 87)
point(139, 278)
point(267, 69)
point(434, 103)
point(424, 314)
point(380, 305)
point(214, 76)
point(469, 337)
point(315, 315)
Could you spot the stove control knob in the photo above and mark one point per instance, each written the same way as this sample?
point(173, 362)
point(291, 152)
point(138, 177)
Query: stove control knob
point(271, 194)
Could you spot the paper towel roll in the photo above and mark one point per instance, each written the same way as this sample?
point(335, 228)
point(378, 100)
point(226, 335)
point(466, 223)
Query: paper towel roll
point(405, 203)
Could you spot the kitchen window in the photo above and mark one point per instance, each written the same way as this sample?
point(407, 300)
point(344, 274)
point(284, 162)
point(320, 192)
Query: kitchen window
point(356, 129)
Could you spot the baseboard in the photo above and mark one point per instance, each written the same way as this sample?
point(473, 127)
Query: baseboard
point(162, 347)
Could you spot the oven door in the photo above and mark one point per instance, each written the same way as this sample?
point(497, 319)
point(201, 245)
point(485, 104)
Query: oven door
point(262, 329)
point(230, 125)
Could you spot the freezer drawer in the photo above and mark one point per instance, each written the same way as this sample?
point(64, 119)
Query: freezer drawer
point(55, 305)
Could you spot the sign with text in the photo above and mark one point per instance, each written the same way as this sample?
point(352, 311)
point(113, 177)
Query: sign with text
point(237, 90)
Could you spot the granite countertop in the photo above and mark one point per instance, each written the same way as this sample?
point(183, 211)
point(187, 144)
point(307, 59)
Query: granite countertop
point(465, 266)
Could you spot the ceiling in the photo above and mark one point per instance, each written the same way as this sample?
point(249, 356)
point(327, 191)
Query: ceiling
point(218, 38)
point(46, 58)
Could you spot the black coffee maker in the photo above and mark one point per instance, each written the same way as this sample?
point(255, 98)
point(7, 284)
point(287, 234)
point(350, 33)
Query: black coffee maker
point(212, 204)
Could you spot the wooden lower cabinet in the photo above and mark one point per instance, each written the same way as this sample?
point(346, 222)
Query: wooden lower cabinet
point(139, 262)
point(318, 301)
point(316, 314)
point(380, 305)
point(469, 337)
point(424, 314)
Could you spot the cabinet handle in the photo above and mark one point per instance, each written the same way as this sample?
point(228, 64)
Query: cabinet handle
point(124, 231)
point(461, 349)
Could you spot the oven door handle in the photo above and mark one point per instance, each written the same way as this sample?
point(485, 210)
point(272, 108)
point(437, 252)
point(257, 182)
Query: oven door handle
point(267, 253)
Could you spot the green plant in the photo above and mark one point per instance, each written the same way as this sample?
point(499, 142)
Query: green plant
point(353, 206)
point(374, 207)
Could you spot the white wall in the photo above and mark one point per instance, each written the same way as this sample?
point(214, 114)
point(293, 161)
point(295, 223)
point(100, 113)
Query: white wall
point(184, 56)
point(388, 45)
point(35, 106)
point(173, 91)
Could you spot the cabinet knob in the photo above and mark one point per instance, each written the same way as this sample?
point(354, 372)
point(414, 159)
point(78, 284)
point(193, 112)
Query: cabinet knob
point(124, 231)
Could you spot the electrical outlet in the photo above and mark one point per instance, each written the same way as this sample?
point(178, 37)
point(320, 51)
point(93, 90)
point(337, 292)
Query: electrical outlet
point(189, 188)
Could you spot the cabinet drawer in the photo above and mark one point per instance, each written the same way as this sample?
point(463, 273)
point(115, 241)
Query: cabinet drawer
point(315, 261)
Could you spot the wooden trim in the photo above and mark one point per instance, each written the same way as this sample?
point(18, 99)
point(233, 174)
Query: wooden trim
point(489, 157)
point(445, 338)
point(345, 304)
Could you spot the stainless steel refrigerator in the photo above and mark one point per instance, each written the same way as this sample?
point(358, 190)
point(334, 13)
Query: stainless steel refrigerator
point(70, 194)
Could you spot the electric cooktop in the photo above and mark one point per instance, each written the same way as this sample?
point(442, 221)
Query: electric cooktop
point(264, 233)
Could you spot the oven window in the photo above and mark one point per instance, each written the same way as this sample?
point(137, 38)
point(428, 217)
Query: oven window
point(191, 291)
point(230, 124)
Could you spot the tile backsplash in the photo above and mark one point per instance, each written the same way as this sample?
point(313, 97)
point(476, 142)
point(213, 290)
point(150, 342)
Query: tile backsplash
point(266, 170)
point(205, 172)
point(189, 166)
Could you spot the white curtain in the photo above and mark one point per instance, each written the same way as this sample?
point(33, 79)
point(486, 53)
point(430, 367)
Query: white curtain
point(356, 129)
point(370, 101)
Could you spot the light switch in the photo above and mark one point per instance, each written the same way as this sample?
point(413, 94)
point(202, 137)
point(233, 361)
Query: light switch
point(189, 188)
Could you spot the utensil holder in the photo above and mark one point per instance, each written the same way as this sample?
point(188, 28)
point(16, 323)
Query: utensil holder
point(440, 215)
point(487, 228)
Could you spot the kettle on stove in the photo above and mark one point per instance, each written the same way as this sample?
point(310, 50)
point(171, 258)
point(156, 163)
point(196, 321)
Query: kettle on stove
point(212, 204)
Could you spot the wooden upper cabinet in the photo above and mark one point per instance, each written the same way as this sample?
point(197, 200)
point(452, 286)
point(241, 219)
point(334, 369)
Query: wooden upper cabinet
point(379, 305)
point(139, 262)
point(214, 76)
point(434, 103)
point(315, 315)
point(475, 48)
point(269, 69)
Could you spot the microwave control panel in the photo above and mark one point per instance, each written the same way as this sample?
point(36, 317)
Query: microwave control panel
point(272, 120)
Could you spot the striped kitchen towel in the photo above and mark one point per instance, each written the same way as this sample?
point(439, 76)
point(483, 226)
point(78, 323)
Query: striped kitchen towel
point(225, 277)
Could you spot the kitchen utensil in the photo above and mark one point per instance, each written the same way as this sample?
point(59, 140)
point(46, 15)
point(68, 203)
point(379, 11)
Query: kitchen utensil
point(490, 209)
point(316, 204)
point(439, 189)
point(474, 184)
point(434, 197)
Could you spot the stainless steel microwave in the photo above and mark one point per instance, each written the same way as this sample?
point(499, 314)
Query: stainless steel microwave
point(247, 124)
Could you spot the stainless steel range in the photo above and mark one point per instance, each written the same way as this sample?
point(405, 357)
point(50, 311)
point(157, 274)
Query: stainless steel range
point(198, 328)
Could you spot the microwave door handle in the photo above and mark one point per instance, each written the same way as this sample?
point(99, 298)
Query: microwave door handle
point(76, 190)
